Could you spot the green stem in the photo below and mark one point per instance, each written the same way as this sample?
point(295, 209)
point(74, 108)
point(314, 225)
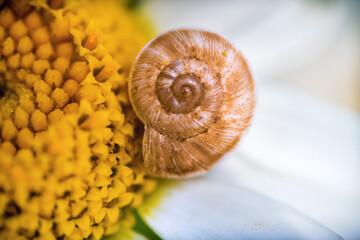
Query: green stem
point(142, 228)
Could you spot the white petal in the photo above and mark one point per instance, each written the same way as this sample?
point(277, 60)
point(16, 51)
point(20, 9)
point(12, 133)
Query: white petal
point(204, 209)
point(319, 138)
point(274, 35)
point(304, 152)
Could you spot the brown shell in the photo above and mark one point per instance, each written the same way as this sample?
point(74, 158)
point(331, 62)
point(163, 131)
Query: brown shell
point(195, 95)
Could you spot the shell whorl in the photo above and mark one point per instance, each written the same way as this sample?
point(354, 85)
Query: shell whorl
point(195, 95)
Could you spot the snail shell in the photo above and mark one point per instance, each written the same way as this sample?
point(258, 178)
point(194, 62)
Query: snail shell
point(195, 95)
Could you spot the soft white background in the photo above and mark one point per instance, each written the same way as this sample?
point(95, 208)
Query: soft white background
point(304, 146)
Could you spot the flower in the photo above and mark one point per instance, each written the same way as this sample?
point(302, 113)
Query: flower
point(226, 204)
point(207, 209)
point(68, 145)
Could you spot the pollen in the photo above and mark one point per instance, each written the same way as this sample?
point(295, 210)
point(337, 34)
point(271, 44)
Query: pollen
point(69, 152)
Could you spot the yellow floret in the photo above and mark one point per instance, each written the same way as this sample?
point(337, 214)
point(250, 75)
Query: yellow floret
point(27, 60)
point(41, 87)
point(89, 92)
point(47, 204)
point(33, 20)
point(38, 121)
point(92, 38)
point(60, 30)
point(24, 138)
point(45, 51)
point(27, 104)
point(8, 131)
point(100, 150)
point(41, 36)
point(25, 45)
point(68, 153)
point(30, 79)
point(14, 61)
point(64, 49)
point(21, 89)
point(6, 17)
point(66, 228)
point(21, 118)
point(110, 67)
point(7, 46)
point(61, 64)
point(3, 66)
point(71, 87)
point(97, 231)
point(2, 33)
point(77, 207)
point(27, 158)
point(71, 108)
point(7, 109)
point(44, 103)
point(53, 78)
point(40, 66)
point(78, 71)
point(97, 121)
point(21, 74)
point(18, 29)
point(55, 115)
point(8, 147)
point(127, 129)
point(60, 97)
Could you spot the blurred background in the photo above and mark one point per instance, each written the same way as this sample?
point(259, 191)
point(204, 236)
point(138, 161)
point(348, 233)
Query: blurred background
point(304, 146)
point(311, 44)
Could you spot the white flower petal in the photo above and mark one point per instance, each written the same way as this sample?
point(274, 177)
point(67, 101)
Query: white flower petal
point(205, 209)
point(305, 156)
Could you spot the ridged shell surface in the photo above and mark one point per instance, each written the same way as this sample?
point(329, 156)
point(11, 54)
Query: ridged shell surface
point(195, 95)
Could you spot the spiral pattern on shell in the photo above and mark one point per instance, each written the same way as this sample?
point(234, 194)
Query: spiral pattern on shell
point(195, 95)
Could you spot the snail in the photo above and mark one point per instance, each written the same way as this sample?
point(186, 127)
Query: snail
point(195, 95)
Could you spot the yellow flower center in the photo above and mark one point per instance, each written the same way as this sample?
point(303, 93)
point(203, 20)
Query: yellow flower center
point(69, 152)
